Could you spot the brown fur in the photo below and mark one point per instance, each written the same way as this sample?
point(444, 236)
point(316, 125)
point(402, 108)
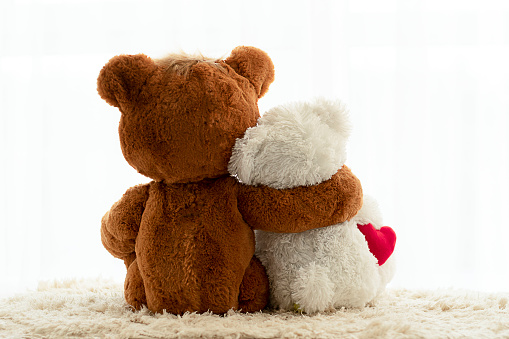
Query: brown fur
point(187, 237)
point(181, 64)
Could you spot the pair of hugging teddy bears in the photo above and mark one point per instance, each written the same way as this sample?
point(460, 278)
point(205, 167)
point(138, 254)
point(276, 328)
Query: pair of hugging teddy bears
point(219, 173)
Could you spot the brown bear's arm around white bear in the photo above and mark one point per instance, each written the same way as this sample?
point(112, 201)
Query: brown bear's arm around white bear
point(302, 208)
point(120, 225)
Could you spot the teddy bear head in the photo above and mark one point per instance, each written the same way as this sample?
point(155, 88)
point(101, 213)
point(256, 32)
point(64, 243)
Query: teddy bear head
point(297, 144)
point(181, 115)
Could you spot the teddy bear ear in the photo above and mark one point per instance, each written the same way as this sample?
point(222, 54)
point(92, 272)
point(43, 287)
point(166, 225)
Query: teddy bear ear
point(121, 78)
point(253, 64)
point(242, 162)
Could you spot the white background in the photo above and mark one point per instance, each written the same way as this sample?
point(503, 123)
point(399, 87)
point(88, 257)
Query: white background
point(427, 83)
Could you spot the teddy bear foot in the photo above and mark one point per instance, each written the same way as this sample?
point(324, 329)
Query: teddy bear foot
point(254, 289)
point(134, 290)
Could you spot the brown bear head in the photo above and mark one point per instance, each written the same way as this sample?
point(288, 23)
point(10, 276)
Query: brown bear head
point(181, 115)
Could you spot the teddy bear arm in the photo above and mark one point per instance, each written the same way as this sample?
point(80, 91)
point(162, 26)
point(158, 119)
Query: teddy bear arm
point(302, 208)
point(119, 249)
point(120, 225)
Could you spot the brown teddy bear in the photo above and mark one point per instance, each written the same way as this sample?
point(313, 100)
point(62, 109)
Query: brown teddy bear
point(187, 237)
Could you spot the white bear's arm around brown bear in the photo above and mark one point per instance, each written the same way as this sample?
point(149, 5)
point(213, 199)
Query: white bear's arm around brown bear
point(302, 208)
point(120, 225)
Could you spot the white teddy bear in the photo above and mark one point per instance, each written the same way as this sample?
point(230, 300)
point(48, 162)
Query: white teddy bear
point(344, 265)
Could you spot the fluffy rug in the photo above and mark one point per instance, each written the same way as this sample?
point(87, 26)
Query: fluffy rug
point(96, 308)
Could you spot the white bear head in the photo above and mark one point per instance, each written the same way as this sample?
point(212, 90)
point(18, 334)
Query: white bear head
point(293, 145)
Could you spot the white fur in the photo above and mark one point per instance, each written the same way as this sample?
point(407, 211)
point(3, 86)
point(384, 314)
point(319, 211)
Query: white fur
point(323, 268)
point(305, 144)
point(293, 145)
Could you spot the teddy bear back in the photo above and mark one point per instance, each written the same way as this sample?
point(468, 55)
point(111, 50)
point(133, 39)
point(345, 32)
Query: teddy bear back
point(181, 115)
point(296, 144)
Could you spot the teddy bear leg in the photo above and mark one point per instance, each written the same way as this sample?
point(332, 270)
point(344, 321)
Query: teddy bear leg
point(254, 289)
point(312, 289)
point(134, 290)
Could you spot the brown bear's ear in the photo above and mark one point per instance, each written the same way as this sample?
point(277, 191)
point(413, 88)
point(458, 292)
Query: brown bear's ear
point(120, 80)
point(253, 64)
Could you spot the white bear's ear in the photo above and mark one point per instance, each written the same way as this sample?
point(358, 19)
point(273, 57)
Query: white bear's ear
point(335, 115)
point(293, 145)
point(242, 161)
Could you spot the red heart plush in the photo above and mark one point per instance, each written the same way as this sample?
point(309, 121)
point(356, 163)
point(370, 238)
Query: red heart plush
point(380, 242)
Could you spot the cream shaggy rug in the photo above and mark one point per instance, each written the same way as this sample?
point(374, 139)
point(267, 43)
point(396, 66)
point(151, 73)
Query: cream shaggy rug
point(96, 309)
